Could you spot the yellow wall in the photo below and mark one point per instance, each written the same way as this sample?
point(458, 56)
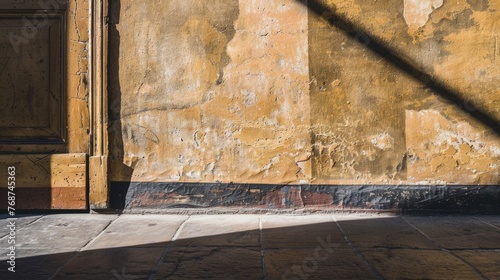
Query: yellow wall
point(273, 92)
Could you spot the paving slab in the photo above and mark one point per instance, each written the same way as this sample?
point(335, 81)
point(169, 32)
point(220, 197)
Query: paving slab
point(418, 264)
point(383, 232)
point(138, 231)
point(301, 263)
point(60, 233)
point(300, 231)
point(83, 246)
point(42, 247)
point(112, 263)
point(212, 263)
point(22, 221)
point(487, 262)
point(220, 230)
point(492, 220)
point(34, 264)
point(458, 232)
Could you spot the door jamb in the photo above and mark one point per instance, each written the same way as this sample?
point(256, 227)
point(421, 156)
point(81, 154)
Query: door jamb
point(98, 160)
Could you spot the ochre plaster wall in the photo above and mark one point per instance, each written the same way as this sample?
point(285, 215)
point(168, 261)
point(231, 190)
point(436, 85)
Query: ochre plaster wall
point(270, 91)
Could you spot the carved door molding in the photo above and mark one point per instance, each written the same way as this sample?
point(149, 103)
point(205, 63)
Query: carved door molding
point(98, 178)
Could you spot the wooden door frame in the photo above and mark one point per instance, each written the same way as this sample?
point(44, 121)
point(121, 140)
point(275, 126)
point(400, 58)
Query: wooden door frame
point(98, 159)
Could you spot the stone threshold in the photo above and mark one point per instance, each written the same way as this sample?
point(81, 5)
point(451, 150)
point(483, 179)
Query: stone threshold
point(213, 198)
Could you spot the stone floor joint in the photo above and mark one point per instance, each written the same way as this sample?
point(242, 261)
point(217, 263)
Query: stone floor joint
point(155, 269)
point(444, 249)
point(19, 229)
point(265, 275)
point(373, 270)
point(487, 223)
point(77, 253)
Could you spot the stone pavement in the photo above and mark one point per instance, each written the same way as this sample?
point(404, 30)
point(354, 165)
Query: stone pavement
point(334, 246)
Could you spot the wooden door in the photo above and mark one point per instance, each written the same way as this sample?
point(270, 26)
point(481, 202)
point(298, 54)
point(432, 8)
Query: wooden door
point(44, 103)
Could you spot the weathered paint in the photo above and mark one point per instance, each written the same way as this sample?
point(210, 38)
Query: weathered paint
point(273, 92)
point(216, 91)
point(416, 12)
point(449, 151)
point(367, 88)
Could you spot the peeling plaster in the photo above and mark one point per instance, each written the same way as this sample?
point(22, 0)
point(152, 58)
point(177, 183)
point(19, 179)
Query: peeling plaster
point(383, 141)
point(223, 98)
point(416, 12)
point(443, 149)
point(266, 92)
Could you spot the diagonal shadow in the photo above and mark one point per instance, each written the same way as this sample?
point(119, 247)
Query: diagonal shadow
point(368, 248)
point(202, 256)
point(376, 45)
point(236, 254)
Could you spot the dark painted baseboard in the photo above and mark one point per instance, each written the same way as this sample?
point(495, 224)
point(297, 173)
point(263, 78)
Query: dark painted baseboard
point(260, 198)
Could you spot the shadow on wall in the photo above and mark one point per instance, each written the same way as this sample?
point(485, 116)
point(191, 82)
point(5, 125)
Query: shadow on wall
point(117, 148)
point(123, 173)
point(335, 20)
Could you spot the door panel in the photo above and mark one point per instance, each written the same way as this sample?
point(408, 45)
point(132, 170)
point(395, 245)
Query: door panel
point(44, 181)
point(44, 102)
point(31, 79)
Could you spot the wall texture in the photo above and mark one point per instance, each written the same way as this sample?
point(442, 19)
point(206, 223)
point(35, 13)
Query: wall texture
point(340, 92)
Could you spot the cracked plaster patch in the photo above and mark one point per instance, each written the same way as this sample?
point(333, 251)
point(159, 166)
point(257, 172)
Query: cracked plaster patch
point(445, 150)
point(417, 12)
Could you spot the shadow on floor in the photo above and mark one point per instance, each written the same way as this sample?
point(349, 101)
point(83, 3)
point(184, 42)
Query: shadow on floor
point(368, 248)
